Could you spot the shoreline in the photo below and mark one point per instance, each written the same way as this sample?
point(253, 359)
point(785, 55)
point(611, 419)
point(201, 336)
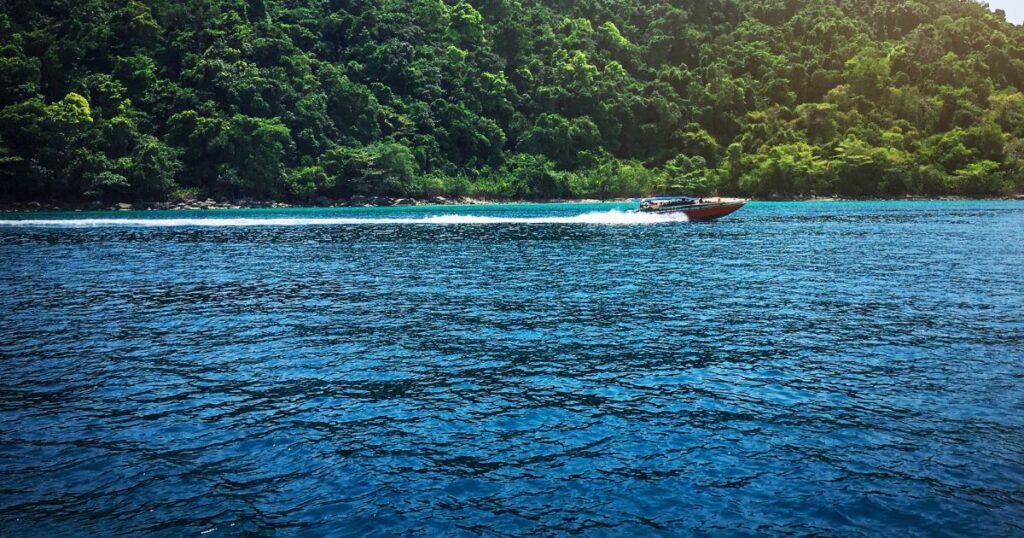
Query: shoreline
point(383, 201)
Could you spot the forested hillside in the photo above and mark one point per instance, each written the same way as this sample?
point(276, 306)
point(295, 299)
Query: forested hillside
point(294, 99)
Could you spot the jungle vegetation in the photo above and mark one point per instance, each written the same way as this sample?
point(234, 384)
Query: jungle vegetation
point(297, 99)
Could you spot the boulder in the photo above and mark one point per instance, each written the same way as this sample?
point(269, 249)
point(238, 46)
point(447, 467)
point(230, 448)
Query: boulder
point(358, 199)
point(405, 201)
point(124, 206)
point(439, 200)
point(323, 201)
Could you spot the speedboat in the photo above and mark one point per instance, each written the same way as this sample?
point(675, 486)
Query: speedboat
point(693, 208)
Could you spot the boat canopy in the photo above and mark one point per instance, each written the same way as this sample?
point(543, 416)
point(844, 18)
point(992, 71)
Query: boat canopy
point(668, 199)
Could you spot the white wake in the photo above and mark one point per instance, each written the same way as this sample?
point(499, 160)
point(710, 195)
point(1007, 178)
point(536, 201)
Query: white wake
point(613, 217)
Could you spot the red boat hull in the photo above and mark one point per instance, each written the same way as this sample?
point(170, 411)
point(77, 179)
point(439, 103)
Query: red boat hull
point(712, 212)
point(700, 211)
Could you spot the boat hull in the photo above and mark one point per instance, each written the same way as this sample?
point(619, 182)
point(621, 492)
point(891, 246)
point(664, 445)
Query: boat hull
point(698, 212)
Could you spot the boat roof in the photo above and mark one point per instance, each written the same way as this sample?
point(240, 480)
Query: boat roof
point(667, 199)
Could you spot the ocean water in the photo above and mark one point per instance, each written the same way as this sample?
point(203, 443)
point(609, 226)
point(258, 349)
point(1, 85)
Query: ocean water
point(847, 368)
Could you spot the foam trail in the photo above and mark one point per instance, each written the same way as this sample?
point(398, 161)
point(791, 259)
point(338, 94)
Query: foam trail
point(613, 217)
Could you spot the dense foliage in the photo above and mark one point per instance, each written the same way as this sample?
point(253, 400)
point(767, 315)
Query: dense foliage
point(149, 99)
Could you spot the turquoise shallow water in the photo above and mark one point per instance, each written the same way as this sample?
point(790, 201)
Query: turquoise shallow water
point(852, 368)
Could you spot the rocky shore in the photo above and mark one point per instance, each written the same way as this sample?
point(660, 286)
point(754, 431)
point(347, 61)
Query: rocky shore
point(356, 201)
point(245, 203)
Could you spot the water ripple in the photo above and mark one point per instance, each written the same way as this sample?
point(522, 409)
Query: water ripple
point(834, 368)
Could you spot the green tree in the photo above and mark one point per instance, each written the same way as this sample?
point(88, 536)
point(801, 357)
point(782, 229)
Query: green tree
point(154, 166)
point(982, 178)
point(947, 150)
point(386, 168)
point(306, 182)
point(257, 149)
point(688, 175)
point(786, 169)
point(249, 97)
point(866, 170)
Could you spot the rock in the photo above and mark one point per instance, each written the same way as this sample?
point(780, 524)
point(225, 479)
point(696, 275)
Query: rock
point(33, 205)
point(357, 199)
point(323, 201)
point(124, 206)
point(439, 200)
point(405, 201)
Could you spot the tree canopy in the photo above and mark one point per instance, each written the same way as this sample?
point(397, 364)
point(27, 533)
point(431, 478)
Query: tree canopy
point(295, 99)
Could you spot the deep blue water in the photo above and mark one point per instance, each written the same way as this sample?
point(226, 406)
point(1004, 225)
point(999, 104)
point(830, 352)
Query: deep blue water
point(850, 368)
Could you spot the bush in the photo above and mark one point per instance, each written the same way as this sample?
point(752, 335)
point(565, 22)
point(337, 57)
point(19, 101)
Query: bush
point(181, 194)
point(786, 169)
point(385, 168)
point(984, 178)
point(531, 176)
point(688, 175)
point(307, 182)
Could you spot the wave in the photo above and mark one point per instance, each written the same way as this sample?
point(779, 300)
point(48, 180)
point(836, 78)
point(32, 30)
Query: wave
point(613, 217)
